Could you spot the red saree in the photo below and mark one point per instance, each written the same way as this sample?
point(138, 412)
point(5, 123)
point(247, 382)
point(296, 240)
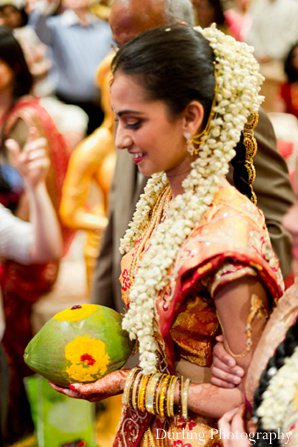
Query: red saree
point(23, 285)
point(230, 242)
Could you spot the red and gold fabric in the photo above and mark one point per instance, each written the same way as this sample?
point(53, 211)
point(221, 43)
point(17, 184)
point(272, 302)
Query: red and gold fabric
point(230, 242)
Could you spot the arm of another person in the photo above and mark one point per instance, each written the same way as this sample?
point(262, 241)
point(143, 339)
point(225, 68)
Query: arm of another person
point(82, 172)
point(225, 371)
point(233, 304)
point(32, 163)
point(38, 19)
point(273, 189)
point(232, 429)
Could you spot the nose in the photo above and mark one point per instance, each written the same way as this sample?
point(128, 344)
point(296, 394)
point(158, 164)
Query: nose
point(122, 140)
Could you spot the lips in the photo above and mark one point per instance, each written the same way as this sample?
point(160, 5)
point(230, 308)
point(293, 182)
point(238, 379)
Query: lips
point(137, 156)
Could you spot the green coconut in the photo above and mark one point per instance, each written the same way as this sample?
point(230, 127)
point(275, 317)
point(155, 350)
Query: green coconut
point(79, 344)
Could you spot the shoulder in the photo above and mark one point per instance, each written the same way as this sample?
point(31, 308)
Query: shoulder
point(95, 147)
point(229, 203)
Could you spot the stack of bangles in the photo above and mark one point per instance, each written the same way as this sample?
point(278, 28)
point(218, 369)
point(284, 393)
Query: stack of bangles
point(155, 393)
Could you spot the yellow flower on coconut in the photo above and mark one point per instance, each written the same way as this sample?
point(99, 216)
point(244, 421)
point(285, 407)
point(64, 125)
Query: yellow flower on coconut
point(87, 359)
point(76, 313)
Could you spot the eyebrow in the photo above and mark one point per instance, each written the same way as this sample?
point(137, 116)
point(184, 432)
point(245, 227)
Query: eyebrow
point(126, 112)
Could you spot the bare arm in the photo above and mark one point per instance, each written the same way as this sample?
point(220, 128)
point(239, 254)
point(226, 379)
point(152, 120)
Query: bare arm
point(32, 163)
point(83, 171)
point(233, 304)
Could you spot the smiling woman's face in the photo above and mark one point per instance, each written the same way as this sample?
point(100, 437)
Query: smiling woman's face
point(146, 129)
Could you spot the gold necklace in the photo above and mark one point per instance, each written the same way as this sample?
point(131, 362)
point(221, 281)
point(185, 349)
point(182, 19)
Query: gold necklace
point(157, 217)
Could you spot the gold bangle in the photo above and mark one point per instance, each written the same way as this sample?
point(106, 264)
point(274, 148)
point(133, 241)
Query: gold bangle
point(162, 396)
point(171, 396)
point(150, 392)
point(127, 387)
point(184, 398)
point(142, 393)
point(181, 381)
point(157, 393)
point(135, 388)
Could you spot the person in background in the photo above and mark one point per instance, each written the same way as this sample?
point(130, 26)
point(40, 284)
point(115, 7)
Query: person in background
point(273, 31)
point(71, 121)
point(14, 16)
point(78, 41)
point(275, 410)
point(26, 242)
point(289, 90)
point(273, 369)
point(274, 28)
point(208, 12)
point(238, 18)
point(22, 285)
point(197, 255)
point(272, 185)
point(87, 183)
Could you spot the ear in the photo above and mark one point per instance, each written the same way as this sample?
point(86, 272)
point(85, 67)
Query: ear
point(193, 117)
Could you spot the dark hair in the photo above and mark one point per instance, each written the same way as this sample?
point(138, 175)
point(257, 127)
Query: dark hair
point(12, 54)
point(284, 350)
point(217, 11)
point(219, 16)
point(290, 71)
point(174, 65)
point(241, 175)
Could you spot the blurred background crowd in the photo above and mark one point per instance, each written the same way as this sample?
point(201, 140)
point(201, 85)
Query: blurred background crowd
point(54, 77)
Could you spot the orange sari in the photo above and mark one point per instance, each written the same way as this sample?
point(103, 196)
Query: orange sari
point(230, 242)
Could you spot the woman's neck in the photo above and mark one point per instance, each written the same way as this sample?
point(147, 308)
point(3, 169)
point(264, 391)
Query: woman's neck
point(176, 181)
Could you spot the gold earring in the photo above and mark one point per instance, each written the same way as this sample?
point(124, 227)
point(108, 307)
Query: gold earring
point(189, 146)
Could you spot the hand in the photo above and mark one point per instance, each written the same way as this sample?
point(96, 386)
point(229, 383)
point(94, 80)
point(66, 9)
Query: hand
point(232, 430)
point(32, 162)
point(225, 371)
point(110, 385)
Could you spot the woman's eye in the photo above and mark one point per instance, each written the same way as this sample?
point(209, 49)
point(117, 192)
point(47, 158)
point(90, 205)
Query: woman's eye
point(132, 124)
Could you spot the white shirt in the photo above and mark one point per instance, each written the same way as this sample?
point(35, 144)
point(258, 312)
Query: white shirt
point(274, 27)
point(15, 241)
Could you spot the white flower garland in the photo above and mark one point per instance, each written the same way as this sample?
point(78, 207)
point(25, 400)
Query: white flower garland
point(279, 394)
point(238, 84)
